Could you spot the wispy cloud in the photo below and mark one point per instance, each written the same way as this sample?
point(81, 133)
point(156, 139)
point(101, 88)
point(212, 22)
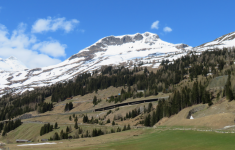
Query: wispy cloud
point(167, 29)
point(49, 24)
point(155, 25)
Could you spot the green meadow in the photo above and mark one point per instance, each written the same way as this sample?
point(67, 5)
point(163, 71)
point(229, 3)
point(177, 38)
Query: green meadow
point(172, 140)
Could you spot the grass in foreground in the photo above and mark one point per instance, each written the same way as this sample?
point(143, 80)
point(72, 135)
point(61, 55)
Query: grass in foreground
point(147, 139)
point(177, 140)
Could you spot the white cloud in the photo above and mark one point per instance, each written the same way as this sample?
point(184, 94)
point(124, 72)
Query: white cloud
point(167, 29)
point(27, 49)
point(52, 48)
point(155, 25)
point(49, 24)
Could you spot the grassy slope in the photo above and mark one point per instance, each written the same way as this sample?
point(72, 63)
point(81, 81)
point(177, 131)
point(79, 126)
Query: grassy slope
point(29, 131)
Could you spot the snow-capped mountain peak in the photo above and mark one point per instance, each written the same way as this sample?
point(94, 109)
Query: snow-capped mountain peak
point(129, 46)
point(146, 49)
point(119, 40)
point(127, 50)
point(11, 64)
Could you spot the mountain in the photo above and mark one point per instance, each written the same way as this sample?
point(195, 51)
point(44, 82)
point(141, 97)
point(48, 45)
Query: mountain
point(146, 49)
point(227, 40)
point(114, 50)
point(126, 50)
point(11, 64)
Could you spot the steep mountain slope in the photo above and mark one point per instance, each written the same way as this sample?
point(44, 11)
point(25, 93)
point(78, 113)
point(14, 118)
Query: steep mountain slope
point(227, 40)
point(126, 50)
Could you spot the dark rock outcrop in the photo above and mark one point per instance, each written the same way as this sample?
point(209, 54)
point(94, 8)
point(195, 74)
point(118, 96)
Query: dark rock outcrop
point(181, 46)
point(138, 37)
point(194, 110)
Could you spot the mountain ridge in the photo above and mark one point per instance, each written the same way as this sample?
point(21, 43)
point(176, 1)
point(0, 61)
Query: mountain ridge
point(126, 50)
point(227, 40)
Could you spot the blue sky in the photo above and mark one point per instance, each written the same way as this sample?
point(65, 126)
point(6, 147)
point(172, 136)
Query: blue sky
point(45, 32)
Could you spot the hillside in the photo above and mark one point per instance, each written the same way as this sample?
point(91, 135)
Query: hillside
point(118, 100)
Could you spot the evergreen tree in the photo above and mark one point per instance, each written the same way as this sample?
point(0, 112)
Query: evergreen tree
point(124, 128)
point(4, 133)
point(51, 127)
point(128, 127)
point(127, 115)
point(76, 119)
point(61, 134)
point(56, 125)
point(67, 129)
point(153, 119)
point(41, 131)
point(56, 136)
point(147, 120)
point(95, 100)
point(112, 131)
point(150, 107)
point(46, 128)
point(228, 91)
point(76, 125)
point(70, 105)
point(118, 129)
point(85, 119)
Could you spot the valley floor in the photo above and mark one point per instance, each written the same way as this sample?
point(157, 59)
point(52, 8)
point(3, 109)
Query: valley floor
point(147, 138)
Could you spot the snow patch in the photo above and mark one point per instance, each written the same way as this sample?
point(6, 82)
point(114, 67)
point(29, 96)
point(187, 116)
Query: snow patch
point(226, 127)
point(36, 144)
